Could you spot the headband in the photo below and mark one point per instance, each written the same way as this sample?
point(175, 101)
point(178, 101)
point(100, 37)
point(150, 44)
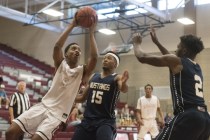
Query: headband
point(116, 58)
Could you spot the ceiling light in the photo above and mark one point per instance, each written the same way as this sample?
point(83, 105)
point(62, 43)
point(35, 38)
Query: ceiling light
point(129, 7)
point(107, 10)
point(108, 16)
point(185, 21)
point(133, 12)
point(107, 31)
point(114, 15)
point(53, 13)
point(141, 10)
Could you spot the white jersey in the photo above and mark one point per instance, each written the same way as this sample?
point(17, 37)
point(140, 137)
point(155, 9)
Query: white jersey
point(148, 107)
point(65, 85)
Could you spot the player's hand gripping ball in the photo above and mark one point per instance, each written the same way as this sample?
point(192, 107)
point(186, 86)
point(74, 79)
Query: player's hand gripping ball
point(86, 17)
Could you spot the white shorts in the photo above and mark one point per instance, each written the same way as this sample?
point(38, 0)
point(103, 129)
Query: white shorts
point(149, 126)
point(39, 120)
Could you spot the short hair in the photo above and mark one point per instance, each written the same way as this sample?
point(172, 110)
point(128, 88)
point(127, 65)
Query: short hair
point(67, 47)
point(192, 43)
point(21, 83)
point(148, 85)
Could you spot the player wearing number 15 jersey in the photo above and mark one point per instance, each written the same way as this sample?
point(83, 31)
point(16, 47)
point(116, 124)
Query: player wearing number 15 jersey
point(102, 97)
point(101, 94)
point(191, 120)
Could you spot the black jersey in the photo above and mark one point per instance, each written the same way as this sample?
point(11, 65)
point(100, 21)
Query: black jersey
point(102, 96)
point(187, 86)
point(20, 103)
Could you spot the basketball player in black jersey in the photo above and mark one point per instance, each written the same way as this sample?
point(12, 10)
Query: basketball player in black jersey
point(101, 93)
point(191, 120)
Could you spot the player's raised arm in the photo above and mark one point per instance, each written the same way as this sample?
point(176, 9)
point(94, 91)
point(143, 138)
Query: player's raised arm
point(57, 52)
point(156, 42)
point(168, 60)
point(93, 54)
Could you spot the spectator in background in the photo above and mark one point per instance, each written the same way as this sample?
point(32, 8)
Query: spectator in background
point(3, 96)
point(132, 115)
point(19, 103)
point(125, 111)
point(73, 119)
point(81, 106)
point(49, 82)
point(168, 117)
point(1, 79)
point(74, 116)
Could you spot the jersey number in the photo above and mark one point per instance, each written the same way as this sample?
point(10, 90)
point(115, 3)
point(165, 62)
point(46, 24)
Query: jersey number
point(97, 97)
point(198, 86)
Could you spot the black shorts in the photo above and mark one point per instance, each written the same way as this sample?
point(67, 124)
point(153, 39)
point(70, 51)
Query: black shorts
point(102, 129)
point(192, 124)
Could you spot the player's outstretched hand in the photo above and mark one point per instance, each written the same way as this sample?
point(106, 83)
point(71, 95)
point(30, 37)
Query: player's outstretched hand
point(125, 76)
point(74, 23)
point(153, 35)
point(137, 39)
point(93, 27)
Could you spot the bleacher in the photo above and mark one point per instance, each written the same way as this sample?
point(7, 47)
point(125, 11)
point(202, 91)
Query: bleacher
point(15, 63)
point(25, 58)
point(12, 63)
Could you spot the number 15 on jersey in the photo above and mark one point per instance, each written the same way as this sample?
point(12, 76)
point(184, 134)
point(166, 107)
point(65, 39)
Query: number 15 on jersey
point(97, 97)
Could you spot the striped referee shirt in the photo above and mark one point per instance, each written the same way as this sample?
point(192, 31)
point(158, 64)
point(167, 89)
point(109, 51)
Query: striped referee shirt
point(20, 103)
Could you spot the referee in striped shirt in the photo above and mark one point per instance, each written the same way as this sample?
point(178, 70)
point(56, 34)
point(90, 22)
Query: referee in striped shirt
point(19, 102)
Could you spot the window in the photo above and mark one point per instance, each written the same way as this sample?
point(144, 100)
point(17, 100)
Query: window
point(201, 2)
point(172, 4)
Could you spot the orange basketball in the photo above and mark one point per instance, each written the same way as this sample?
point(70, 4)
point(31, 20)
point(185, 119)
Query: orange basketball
point(86, 17)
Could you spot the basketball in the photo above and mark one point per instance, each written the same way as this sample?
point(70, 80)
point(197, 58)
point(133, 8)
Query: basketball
point(86, 17)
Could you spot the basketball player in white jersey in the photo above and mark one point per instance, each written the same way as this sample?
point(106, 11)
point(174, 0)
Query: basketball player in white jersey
point(147, 108)
point(42, 120)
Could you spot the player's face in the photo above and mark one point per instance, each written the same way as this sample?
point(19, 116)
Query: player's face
point(73, 53)
point(109, 62)
point(148, 90)
point(180, 51)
